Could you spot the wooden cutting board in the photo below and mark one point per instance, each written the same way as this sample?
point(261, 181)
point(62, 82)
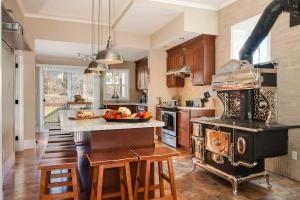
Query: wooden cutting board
point(83, 118)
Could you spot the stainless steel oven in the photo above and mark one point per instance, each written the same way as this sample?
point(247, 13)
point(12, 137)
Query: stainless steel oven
point(169, 131)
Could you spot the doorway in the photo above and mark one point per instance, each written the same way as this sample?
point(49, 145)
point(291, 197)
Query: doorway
point(58, 85)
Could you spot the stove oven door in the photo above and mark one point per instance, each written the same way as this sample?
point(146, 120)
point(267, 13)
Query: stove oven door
point(218, 142)
point(243, 147)
point(198, 148)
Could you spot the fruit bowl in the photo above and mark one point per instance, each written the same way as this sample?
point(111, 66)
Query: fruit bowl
point(124, 115)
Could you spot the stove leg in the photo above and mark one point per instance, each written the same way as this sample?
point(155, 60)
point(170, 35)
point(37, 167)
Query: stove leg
point(235, 184)
point(267, 176)
point(194, 168)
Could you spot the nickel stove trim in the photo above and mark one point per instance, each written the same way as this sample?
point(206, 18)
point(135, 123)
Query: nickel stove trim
point(232, 179)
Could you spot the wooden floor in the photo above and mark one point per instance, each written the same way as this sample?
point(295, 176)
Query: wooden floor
point(23, 182)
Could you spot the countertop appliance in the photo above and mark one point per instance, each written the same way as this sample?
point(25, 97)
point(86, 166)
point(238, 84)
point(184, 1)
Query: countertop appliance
point(169, 131)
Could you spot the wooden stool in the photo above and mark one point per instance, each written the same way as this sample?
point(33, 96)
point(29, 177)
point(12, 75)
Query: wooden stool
point(60, 134)
point(46, 166)
point(151, 155)
point(60, 139)
point(55, 149)
point(65, 154)
point(60, 144)
point(106, 160)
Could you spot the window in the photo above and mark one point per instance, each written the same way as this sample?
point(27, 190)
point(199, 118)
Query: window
point(116, 82)
point(240, 33)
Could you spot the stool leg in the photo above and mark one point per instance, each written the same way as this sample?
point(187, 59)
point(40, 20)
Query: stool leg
point(43, 184)
point(74, 183)
point(147, 180)
point(94, 182)
point(128, 181)
point(171, 177)
point(161, 180)
point(123, 195)
point(137, 180)
point(100, 182)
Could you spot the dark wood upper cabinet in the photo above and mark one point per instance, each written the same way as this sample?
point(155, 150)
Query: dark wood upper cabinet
point(142, 74)
point(174, 61)
point(199, 54)
point(204, 60)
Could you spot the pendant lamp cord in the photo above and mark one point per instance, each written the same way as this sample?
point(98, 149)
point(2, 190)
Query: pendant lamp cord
point(109, 10)
point(93, 27)
point(99, 9)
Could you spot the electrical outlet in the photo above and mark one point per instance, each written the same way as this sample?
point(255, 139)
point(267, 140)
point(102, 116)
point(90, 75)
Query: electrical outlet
point(294, 155)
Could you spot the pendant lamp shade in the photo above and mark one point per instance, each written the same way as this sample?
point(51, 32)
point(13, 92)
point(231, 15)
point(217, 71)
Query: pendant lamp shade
point(87, 71)
point(109, 55)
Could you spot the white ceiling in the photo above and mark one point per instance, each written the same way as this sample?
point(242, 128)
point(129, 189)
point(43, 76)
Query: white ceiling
point(206, 4)
point(76, 10)
point(71, 50)
point(141, 18)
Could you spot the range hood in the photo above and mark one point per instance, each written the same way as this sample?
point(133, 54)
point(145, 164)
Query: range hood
point(12, 32)
point(180, 71)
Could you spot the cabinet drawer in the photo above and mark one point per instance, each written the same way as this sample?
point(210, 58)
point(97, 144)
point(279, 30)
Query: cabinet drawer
point(183, 137)
point(184, 119)
point(158, 111)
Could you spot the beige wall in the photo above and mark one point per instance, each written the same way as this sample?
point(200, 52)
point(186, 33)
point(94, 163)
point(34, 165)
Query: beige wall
point(7, 114)
point(157, 62)
point(190, 92)
point(285, 46)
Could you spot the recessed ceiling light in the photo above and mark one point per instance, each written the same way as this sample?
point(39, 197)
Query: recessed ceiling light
point(181, 38)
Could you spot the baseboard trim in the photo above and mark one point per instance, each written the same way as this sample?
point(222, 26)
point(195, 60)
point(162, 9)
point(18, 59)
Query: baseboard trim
point(29, 144)
point(8, 164)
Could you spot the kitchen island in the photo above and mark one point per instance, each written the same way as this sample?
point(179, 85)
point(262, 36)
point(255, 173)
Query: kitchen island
point(99, 135)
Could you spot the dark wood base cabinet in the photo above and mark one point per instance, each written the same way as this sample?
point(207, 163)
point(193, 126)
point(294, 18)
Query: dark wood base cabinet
point(185, 126)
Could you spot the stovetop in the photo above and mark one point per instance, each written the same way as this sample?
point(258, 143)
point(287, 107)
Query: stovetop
point(252, 126)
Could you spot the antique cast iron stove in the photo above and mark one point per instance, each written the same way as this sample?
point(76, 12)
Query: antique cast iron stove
point(236, 145)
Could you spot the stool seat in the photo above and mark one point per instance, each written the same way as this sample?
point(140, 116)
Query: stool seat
point(65, 154)
point(114, 157)
point(59, 163)
point(152, 153)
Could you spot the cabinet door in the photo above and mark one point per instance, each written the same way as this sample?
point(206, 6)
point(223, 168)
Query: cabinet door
point(183, 138)
point(179, 60)
point(198, 68)
point(174, 81)
point(184, 119)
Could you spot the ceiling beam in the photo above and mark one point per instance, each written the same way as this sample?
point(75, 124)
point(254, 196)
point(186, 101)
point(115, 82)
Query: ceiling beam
point(128, 6)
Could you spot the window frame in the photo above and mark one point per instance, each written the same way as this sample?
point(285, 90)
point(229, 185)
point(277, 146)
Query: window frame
point(127, 85)
point(242, 23)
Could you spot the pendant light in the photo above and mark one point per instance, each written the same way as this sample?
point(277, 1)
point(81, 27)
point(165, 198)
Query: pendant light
point(93, 64)
point(109, 55)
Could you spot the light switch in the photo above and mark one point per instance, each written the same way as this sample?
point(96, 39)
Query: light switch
point(294, 155)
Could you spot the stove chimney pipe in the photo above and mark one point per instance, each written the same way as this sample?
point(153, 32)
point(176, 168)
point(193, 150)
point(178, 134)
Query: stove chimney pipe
point(265, 23)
